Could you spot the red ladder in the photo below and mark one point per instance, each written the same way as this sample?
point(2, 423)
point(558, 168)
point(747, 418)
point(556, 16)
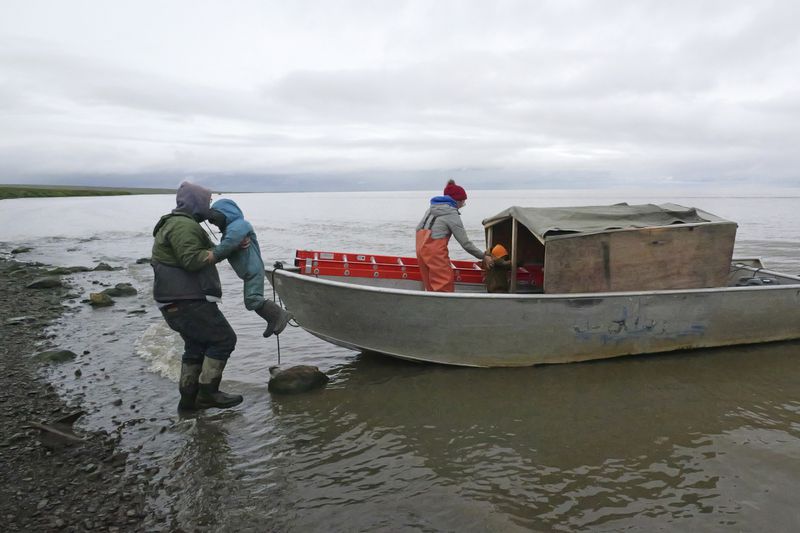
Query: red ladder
point(319, 263)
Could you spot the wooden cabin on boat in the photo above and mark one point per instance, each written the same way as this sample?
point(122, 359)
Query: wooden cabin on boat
point(615, 248)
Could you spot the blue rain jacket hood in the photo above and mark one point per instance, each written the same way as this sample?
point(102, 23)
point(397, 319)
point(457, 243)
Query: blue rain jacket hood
point(231, 211)
point(236, 229)
point(444, 200)
point(247, 262)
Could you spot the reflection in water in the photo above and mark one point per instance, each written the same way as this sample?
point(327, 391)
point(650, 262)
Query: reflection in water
point(684, 439)
point(200, 470)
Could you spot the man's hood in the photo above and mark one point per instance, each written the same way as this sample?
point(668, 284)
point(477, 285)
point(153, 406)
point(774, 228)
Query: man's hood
point(229, 209)
point(193, 200)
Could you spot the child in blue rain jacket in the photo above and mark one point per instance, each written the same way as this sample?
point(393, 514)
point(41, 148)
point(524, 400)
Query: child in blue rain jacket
point(239, 245)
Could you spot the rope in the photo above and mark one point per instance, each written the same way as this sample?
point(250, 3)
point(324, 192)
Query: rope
point(738, 267)
point(276, 298)
point(754, 274)
point(213, 235)
point(275, 267)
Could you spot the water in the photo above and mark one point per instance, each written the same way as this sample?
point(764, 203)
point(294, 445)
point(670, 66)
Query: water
point(690, 442)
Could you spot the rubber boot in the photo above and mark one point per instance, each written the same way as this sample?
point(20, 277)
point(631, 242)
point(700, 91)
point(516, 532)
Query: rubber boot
point(187, 386)
point(276, 316)
point(208, 393)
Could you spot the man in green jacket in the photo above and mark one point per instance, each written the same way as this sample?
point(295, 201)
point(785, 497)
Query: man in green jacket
point(186, 289)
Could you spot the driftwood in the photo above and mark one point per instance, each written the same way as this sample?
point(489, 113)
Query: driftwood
point(70, 419)
point(50, 430)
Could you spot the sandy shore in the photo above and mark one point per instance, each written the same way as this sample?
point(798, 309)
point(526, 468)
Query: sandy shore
point(77, 481)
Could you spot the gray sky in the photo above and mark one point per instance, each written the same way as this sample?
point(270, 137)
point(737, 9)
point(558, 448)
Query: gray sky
point(400, 93)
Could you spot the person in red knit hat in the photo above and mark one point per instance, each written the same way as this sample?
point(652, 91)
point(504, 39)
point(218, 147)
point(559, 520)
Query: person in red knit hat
point(456, 192)
point(441, 220)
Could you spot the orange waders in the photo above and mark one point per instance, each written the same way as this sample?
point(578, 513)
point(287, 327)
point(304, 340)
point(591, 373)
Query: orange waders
point(434, 262)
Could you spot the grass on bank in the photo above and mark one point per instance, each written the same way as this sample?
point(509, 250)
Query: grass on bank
point(47, 191)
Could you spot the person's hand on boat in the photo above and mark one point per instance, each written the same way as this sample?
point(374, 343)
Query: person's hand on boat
point(245, 243)
point(488, 260)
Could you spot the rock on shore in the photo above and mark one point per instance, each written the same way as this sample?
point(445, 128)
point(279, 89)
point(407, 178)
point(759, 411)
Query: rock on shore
point(49, 282)
point(52, 476)
point(55, 356)
point(121, 289)
point(100, 299)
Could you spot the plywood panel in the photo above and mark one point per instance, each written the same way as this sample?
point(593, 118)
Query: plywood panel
point(531, 250)
point(672, 257)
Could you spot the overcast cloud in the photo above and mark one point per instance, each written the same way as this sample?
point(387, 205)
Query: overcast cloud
point(260, 95)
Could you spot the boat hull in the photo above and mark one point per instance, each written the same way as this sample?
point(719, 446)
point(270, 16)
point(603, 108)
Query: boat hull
point(504, 330)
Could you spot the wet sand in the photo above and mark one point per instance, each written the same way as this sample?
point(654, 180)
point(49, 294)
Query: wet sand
point(49, 482)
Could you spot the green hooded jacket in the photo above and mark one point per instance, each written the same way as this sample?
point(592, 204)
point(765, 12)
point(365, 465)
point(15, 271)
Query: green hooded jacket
point(180, 250)
point(181, 242)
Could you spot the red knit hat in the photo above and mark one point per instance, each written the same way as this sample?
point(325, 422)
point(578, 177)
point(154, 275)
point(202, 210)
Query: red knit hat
point(455, 192)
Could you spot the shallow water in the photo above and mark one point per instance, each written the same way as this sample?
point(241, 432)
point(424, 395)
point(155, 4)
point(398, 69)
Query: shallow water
point(694, 441)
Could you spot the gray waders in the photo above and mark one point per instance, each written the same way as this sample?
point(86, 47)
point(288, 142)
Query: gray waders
point(199, 386)
point(208, 393)
point(188, 384)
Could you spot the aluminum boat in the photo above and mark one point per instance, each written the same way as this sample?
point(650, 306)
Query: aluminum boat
point(571, 297)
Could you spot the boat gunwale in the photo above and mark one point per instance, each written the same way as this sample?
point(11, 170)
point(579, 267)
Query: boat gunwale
point(539, 296)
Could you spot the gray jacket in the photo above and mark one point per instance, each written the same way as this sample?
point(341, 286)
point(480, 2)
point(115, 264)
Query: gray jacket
point(444, 220)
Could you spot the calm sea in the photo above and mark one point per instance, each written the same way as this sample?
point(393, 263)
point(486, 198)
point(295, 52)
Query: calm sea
point(699, 441)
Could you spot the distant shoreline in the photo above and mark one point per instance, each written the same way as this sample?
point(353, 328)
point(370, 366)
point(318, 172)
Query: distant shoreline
point(49, 191)
point(11, 191)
